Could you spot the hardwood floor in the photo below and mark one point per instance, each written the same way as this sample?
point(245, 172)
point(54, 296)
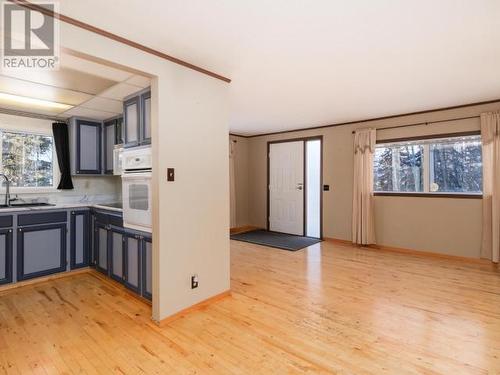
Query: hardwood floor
point(327, 309)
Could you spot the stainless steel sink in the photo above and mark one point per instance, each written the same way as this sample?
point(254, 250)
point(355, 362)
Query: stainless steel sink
point(26, 205)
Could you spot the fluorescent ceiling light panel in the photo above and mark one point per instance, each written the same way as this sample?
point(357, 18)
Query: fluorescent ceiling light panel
point(23, 100)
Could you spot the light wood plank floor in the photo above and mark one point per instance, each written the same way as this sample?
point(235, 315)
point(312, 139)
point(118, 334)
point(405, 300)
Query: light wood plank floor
point(327, 309)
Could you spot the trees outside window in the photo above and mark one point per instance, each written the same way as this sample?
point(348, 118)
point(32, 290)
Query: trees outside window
point(27, 159)
point(447, 165)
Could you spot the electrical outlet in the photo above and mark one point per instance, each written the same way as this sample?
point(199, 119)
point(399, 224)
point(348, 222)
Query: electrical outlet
point(194, 281)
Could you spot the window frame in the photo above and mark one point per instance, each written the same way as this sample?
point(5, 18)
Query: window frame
point(426, 193)
point(56, 174)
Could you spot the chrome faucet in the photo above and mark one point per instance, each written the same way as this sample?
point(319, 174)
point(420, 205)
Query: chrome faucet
point(7, 189)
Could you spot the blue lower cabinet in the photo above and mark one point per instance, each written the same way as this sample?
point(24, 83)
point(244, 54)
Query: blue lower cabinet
point(123, 254)
point(133, 262)
point(5, 256)
point(147, 269)
point(41, 250)
point(117, 253)
point(101, 245)
point(80, 239)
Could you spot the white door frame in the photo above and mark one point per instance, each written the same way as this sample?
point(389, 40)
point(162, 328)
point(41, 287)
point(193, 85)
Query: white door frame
point(304, 190)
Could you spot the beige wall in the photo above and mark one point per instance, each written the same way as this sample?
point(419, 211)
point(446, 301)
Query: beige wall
point(241, 179)
point(193, 211)
point(441, 225)
point(189, 133)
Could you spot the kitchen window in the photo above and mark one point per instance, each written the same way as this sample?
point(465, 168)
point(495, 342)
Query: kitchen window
point(28, 160)
point(439, 166)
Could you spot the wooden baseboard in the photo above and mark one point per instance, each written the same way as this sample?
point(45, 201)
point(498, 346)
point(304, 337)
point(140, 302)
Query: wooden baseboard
point(338, 241)
point(245, 228)
point(198, 306)
point(43, 279)
point(401, 250)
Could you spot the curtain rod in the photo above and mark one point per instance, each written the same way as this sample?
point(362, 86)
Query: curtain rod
point(13, 112)
point(424, 123)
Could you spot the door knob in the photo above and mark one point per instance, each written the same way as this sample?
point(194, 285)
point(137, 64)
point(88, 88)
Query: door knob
point(299, 185)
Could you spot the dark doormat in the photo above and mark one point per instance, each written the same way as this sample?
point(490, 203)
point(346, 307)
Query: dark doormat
point(274, 239)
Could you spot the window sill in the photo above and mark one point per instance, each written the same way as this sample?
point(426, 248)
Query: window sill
point(429, 195)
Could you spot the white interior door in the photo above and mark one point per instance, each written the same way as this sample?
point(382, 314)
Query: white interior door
point(286, 187)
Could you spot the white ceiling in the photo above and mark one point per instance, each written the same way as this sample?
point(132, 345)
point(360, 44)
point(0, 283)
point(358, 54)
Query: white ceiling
point(300, 63)
point(91, 89)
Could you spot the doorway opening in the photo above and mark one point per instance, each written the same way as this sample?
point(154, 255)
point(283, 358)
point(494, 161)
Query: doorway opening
point(294, 195)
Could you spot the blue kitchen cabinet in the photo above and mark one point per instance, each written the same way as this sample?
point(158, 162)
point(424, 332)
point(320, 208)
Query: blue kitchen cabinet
point(109, 145)
point(80, 237)
point(112, 136)
point(5, 256)
point(147, 269)
point(131, 121)
point(133, 262)
point(137, 118)
point(41, 250)
point(116, 249)
point(123, 254)
point(101, 247)
point(145, 124)
point(85, 147)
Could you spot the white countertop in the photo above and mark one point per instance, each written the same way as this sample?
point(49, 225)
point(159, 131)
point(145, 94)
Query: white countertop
point(60, 206)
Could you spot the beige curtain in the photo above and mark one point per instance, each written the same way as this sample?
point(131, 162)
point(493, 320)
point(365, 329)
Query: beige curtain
point(490, 135)
point(232, 186)
point(363, 225)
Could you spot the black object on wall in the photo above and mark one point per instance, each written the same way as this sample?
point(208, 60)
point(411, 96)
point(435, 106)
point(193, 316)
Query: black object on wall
point(61, 141)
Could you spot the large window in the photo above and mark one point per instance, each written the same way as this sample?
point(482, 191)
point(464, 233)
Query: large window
point(444, 165)
point(27, 159)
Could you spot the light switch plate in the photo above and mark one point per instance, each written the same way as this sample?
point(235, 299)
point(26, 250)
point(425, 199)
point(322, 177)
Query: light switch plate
point(170, 174)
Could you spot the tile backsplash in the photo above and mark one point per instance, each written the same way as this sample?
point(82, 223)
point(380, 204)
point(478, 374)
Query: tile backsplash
point(102, 189)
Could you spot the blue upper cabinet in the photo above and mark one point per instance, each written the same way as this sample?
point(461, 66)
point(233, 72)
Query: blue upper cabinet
point(112, 130)
point(132, 119)
point(146, 117)
point(86, 146)
point(137, 118)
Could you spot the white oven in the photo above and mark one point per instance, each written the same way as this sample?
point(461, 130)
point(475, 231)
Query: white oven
point(136, 188)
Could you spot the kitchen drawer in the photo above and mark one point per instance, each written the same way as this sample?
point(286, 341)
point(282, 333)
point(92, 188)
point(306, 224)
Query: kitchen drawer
point(5, 221)
point(111, 219)
point(42, 218)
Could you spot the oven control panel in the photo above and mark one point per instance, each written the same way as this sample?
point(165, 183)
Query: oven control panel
point(137, 158)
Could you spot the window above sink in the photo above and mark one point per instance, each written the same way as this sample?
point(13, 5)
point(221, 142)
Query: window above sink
point(29, 161)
